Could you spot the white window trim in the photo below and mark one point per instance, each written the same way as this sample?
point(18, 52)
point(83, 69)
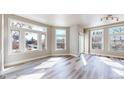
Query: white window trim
point(45, 41)
point(11, 51)
point(25, 50)
point(102, 39)
point(22, 48)
point(56, 49)
point(109, 45)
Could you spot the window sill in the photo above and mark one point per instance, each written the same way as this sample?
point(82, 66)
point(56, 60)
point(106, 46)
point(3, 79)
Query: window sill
point(31, 51)
point(25, 52)
point(60, 49)
point(116, 51)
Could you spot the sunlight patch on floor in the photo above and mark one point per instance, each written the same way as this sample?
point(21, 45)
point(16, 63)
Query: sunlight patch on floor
point(111, 63)
point(54, 59)
point(48, 64)
point(32, 76)
point(119, 72)
point(83, 60)
point(105, 59)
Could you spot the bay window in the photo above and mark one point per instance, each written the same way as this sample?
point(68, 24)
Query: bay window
point(60, 39)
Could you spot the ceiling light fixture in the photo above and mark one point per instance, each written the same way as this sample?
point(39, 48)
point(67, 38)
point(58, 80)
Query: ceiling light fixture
point(109, 18)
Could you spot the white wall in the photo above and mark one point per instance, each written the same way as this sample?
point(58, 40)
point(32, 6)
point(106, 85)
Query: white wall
point(74, 39)
point(0, 42)
point(26, 56)
point(87, 42)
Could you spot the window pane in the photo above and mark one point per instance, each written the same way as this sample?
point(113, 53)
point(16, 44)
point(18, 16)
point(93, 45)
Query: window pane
point(60, 39)
point(116, 38)
point(44, 41)
point(97, 39)
point(60, 32)
point(116, 30)
point(31, 41)
point(15, 40)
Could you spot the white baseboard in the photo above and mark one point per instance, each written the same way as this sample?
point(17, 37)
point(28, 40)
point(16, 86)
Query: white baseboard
point(74, 55)
point(64, 55)
point(59, 54)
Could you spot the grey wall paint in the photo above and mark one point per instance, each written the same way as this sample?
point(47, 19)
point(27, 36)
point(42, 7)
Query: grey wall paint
point(20, 57)
point(74, 39)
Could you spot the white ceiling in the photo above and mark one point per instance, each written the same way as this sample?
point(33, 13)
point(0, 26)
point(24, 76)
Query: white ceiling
point(86, 20)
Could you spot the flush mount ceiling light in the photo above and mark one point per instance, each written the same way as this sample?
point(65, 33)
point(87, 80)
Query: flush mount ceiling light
point(109, 18)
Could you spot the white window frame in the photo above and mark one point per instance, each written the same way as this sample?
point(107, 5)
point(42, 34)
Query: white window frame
point(42, 33)
point(109, 36)
point(25, 41)
point(10, 41)
point(97, 30)
point(56, 39)
point(22, 36)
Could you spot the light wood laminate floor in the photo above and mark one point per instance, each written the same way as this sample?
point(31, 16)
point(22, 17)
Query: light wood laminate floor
point(69, 67)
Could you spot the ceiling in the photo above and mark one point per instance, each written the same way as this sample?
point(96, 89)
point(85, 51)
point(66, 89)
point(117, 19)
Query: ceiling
point(86, 20)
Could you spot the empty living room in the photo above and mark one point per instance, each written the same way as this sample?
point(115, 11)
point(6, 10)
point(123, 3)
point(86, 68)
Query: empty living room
point(62, 46)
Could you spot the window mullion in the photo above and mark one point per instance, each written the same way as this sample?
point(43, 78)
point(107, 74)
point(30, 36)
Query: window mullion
point(40, 41)
point(22, 41)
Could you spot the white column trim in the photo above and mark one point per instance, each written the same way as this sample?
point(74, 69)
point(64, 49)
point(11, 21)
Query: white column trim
point(2, 50)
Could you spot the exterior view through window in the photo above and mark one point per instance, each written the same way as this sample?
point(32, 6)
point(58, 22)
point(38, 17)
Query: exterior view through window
point(31, 41)
point(15, 40)
point(116, 38)
point(97, 39)
point(60, 39)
